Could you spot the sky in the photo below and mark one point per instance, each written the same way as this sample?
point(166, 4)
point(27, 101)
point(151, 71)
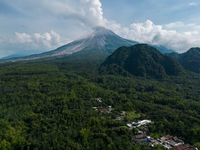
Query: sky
point(42, 25)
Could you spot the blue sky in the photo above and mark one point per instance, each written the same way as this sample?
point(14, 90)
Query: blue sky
point(43, 25)
point(159, 11)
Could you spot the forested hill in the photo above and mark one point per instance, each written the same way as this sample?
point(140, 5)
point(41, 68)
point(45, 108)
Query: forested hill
point(49, 105)
point(190, 60)
point(142, 60)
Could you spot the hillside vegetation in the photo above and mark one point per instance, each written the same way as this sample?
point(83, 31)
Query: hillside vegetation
point(143, 60)
point(190, 60)
point(48, 105)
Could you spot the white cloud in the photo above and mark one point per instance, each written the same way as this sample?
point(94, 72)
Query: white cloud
point(61, 15)
point(197, 27)
point(150, 33)
point(47, 39)
point(56, 14)
point(177, 25)
point(35, 41)
point(112, 25)
point(55, 38)
point(191, 25)
point(174, 24)
point(86, 12)
point(193, 4)
point(23, 38)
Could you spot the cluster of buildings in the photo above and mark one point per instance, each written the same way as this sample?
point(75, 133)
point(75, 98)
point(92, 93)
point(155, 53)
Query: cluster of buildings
point(168, 141)
point(140, 138)
point(108, 111)
point(185, 147)
point(171, 142)
point(104, 110)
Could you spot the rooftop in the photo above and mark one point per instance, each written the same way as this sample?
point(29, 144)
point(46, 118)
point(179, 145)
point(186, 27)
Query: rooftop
point(184, 147)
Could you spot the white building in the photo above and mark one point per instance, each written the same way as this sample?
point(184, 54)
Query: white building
point(141, 123)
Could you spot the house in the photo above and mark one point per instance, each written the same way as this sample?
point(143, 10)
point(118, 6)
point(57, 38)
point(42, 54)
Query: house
point(110, 108)
point(140, 123)
point(175, 143)
point(123, 113)
point(95, 108)
point(169, 137)
point(184, 147)
point(145, 129)
point(98, 99)
point(129, 125)
point(144, 122)
point(154, 144)
point(135, 123)
point(104, 111)
point(140, 138)
point(151, 139)
point(166, 138)
point(163, 139)
point(170, 140)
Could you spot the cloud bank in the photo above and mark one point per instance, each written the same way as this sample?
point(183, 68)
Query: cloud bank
point(30, 43)
point(46, 40)
point(86, 12)
point(64, 16)
point(67, 17)
point(193, 4)
point(150, 33)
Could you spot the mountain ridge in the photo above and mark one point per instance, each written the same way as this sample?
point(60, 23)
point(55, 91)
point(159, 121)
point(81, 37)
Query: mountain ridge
point(100, 37)
point(143, 60)
point(190, 60)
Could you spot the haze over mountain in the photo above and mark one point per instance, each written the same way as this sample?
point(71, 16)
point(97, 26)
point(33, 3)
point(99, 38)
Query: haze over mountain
point(163, 49)
point(100, 41)
point(190, 60)
point(141, 60)
point(21, 54)
point(100, 38)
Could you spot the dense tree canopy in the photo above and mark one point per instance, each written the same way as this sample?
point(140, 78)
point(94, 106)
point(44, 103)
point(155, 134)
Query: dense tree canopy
point(48, 105)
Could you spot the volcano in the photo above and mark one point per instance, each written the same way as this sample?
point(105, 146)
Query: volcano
point(98, 40)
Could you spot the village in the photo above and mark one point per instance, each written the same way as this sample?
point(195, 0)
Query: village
point(141, 126)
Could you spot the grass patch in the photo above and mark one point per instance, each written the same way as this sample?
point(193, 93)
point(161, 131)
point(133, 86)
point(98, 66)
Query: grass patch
point(131, 115)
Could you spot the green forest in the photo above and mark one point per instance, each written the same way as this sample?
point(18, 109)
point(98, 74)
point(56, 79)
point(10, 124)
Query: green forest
point(48, 105)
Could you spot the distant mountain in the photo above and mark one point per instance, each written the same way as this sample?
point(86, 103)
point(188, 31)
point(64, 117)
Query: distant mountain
point(141, 60)
point(100, 41)
point(190, 60)
point(101, 38)
point(163, 49)
point(20, 54)
point(13, 56)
